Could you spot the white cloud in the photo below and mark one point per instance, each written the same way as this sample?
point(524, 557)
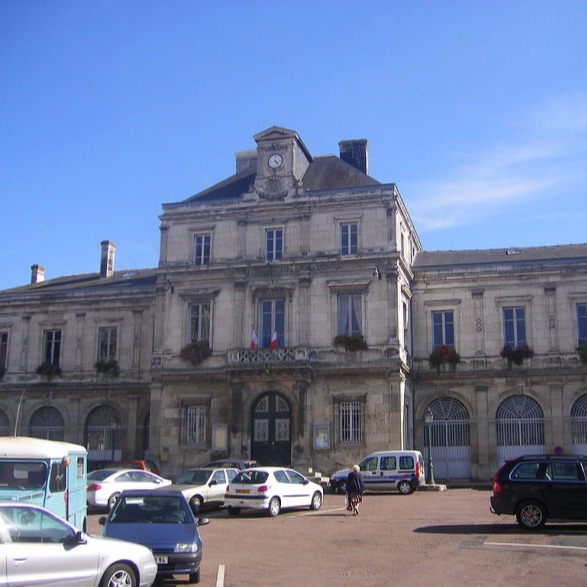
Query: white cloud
point(548, 153)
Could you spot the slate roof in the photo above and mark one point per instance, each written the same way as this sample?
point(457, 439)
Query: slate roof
point(324, 173)
point(90, 283)
point(509, 256)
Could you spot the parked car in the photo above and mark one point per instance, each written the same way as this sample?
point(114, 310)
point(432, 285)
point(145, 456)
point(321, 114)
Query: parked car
point(538, 488)
point(105, 485)
point(272, 489)
point(162, 521)
point(204, 487)
point(386, 470)
point(143, 464)
point(230, 464)
point(39, 548)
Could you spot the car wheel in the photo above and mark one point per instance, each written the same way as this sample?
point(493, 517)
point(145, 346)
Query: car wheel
point(531, 515)
point(195, 577)
point(233, 511)
point(119, 575)
point(405, 487)
point(316, 502)
point(196, 503)
point(112, 500)
point(274, 507)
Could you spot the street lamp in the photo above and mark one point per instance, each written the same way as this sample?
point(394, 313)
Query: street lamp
point(428, 418)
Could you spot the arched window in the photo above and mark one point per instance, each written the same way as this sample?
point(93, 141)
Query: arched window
point(47, 423)
point(520, 422)
point(103, 434)
point(579, 424)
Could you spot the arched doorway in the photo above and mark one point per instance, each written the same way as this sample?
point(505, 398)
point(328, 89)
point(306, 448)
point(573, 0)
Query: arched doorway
point(271, 430)
point(450, 439)
point(103, 435)
point(520, 428)
point(47, 423)
point(579, 425)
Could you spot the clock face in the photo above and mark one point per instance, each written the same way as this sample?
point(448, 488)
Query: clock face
point(275, 161)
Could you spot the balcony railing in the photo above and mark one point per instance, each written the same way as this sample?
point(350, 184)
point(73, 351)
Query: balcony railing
point(262, 356)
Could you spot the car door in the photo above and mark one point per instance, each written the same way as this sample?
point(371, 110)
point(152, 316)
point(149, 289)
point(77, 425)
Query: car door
point(216, 487)
point(285, 490)
point(565, 490)
point(387, 478)
point(370, 472)
point(33, 560)
point(300, 489)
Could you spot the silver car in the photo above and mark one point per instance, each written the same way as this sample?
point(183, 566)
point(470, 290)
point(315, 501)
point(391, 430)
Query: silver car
point(39, 548)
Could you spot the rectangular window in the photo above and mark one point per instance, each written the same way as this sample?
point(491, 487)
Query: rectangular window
point(514, 327)
point(52, 347)
point(272, 326)
point(202, 249)
point(195, 423)
point(107, 343)
point(3, 350)
point(581, 323)
point(199, 322)
point(350, 416)
point(349, 314)
point(273, 244)
point(443, 329)
point(348, 239)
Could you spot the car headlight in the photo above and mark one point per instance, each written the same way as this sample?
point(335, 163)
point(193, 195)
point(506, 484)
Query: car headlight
point(186, 547)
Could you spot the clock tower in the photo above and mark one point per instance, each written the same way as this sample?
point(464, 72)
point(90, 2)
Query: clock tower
point(282, 160)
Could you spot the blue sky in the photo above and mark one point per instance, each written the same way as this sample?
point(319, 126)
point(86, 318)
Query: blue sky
point(477, 110)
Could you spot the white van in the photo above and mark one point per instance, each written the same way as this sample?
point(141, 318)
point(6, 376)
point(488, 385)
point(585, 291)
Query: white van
point(386, 470)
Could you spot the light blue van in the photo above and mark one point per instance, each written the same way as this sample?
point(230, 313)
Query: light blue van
point(48, 473)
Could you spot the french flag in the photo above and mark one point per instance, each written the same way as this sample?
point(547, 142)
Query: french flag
point(254, 340)
point(273, 343)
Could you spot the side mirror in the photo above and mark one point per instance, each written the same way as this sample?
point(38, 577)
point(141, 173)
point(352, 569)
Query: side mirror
point(203, 521)
point(102, 520)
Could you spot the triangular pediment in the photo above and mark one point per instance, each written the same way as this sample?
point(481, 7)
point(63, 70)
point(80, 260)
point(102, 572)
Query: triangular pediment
point(275, 133)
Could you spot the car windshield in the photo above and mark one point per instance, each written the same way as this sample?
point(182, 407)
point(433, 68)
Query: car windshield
point(194, 477)
point(251, 477)
point(165, 509)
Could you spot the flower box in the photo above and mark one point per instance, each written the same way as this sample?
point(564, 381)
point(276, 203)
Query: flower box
point(443, 355)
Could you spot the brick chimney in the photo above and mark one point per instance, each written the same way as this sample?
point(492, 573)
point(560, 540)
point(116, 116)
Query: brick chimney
point(107, 259)
point(355, 153)
point(37, 274)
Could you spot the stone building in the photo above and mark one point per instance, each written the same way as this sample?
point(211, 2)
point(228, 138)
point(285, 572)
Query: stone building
point(75, 358)
point(294, 318)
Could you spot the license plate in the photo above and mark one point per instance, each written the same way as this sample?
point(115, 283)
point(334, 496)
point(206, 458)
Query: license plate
point(242, 491)
point(161, 560)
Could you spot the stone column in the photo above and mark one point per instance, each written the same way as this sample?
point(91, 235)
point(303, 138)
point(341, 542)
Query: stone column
point(482, 462)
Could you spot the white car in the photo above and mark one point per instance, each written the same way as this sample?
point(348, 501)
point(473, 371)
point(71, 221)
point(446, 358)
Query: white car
point(204, 486)
point(272, 489)
point(39, 548)
point(105, 485)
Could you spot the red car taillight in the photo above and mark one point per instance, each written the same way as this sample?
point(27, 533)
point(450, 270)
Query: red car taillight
point(94, 487)
point(263, 489)
point(417, 469)
point(496, 485)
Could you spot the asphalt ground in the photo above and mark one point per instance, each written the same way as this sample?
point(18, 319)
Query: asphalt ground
point(424, 539)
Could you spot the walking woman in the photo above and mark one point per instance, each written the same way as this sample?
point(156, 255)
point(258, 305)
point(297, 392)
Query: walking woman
point(354, 490)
